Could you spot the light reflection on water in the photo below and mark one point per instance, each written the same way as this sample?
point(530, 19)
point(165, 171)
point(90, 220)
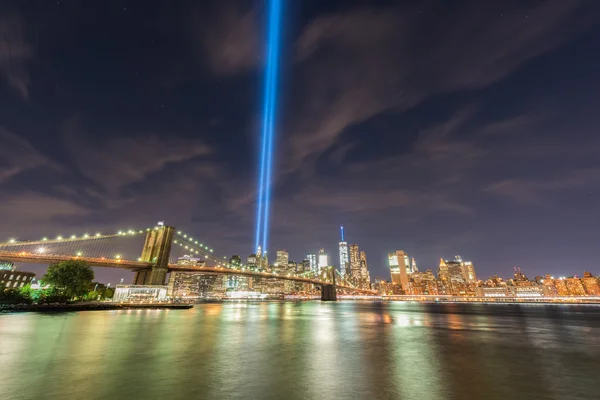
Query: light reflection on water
point(312, 350)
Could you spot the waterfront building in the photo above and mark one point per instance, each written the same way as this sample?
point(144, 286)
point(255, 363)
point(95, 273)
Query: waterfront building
point(575, 287)
point(11, 278)
point(140, 293)
point(591, 284)
point(194, 285)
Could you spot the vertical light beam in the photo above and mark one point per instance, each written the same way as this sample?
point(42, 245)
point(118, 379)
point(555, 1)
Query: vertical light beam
point(273, 71)
point(269, 109)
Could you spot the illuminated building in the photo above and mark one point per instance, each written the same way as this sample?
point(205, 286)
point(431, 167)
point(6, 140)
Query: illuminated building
point(561, 287)
point(590, 284)
point(305, 266)
point(195, 285)
point(189, 260)
point(469, 272)
point(312, 260)
point(343, 250)
point(443, 273)
point(575, 287)
point(355, 270)
point(399, 267)
point(413, 266)
point(455, 270)
point(323, 262)
point(291, 267)
point(9, 278)
point(282, 258)
point(364, 270)
point(252, 261)
point(6, 266)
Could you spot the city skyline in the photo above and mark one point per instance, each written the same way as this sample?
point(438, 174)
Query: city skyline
point(484, 145)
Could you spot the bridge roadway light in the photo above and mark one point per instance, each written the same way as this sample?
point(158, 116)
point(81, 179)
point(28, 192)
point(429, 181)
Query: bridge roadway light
point(98, 234)
point(59, 238)
point(44, 239)
point(12, 241)
point(79, 254)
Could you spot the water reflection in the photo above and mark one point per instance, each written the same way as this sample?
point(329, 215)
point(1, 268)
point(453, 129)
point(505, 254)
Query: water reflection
point(312, 350)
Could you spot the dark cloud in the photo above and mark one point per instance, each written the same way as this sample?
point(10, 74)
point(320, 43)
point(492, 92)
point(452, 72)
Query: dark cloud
point(356, 64)
point(18, 155)
point(15, 53)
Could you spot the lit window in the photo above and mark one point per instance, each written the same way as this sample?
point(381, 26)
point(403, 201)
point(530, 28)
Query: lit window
point(15, 284)
point(11, 276)
point(22, 283)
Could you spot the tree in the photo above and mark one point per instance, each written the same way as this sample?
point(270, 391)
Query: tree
point(73, 277)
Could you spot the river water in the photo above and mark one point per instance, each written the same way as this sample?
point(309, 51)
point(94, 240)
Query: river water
point(305, 350)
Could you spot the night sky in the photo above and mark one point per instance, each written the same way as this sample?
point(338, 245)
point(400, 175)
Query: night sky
point(438, 129)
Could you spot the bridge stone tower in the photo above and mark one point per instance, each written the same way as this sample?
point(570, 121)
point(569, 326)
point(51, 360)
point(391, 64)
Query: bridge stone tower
point(328, 292)
point(157, 250)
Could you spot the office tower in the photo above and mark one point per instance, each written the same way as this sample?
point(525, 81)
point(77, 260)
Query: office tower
point(443, 271)
point(343, 248)
point(265, 261)
point(364, 270)
point(354, 261)
point(305, 266)
point(458, 271)
point(469, 272)
point(291, 267)
point(252, 261)
point(455, 270)
point(413, 266)
point(323, 262)
point(282, 258)
point(312, 260)
point(399, 267)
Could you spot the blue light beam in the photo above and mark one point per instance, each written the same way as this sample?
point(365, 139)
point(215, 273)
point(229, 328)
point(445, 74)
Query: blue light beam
point(270, 93)
point(273, 71)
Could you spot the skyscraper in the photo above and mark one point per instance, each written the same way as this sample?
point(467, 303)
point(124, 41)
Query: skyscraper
point(283, 258)
point(400, 267)
point(364, 270)
point(323, 261)
point(312, 261)
point(443, 271)
point(355, 261)
point(343, 247)
point(413, 266)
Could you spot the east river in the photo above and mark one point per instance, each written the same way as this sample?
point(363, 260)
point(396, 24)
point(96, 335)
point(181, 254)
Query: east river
point(305, 350)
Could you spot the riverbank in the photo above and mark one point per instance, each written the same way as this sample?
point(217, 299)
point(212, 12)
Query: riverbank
point(95, 306)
